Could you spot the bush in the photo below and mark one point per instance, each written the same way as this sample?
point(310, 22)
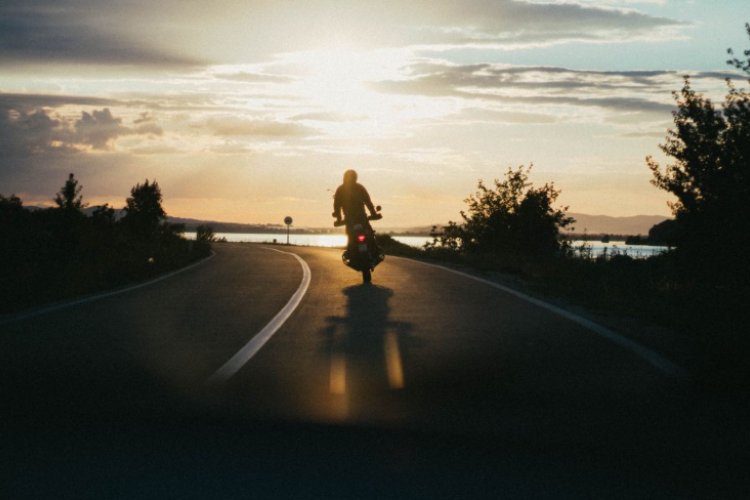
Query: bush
point(56, 253)
point(513, 221)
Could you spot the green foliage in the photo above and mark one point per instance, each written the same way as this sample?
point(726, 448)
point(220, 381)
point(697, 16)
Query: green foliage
point(700, 176)
point(56, 253)
point(103, 216)
point(510, 219)
point(151, 242)
point(143, 211)
point(12, 203)
point(664, 233)
point(69, 197)
point(738, 63)
point(450, 238)
point(710, 177)
point(390, 246)
point(205, 234)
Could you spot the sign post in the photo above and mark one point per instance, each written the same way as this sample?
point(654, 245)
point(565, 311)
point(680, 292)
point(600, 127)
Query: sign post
point(288, 221)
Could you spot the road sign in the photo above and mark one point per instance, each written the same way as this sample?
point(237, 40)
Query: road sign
point(288, 221)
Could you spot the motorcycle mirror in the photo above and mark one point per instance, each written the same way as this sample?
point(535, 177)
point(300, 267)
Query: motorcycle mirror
point(378, 208)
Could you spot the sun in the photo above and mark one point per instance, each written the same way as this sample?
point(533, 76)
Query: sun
point(338, 78)
point(340, 81)
point(334, 90)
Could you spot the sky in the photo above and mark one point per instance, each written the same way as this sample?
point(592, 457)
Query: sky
point(249, 111)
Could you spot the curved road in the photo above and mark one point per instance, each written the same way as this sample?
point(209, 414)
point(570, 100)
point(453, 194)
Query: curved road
point(422, 351)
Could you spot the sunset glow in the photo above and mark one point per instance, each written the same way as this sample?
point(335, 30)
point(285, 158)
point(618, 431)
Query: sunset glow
point(250, 111)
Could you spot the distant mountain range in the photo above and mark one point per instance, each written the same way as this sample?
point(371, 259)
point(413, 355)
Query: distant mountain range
point(605, 224)
point(236, 227)
point(591, 224)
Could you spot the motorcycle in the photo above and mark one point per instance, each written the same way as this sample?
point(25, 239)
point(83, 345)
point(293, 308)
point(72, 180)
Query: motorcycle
point(362, 252)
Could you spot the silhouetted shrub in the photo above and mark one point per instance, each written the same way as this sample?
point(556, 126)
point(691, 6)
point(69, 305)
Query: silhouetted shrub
point(710, 177)
point(204, 236)
point(389, 246)
point(51, 254)
point(511, 220)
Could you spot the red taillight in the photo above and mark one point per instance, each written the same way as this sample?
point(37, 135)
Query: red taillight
point(361, 238)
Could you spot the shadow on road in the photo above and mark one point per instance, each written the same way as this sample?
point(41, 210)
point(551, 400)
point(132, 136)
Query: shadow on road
point(367, 349)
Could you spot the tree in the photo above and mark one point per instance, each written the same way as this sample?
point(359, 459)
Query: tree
point(13, 202)
point(511, 218)
point(69, 197)
point(710, 177)
point(664, 233)
point(14, 220)
point(67, 224)
point(696, 145)
point(205, 234)
point(103, 215)
point(538, 224)
point(143, 211)
point(737, 63)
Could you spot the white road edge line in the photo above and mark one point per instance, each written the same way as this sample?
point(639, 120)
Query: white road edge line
point(92, 298)
point(655, 359)
point(258, 341)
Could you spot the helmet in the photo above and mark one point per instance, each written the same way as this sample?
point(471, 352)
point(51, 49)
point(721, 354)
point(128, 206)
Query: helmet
point(350, 177)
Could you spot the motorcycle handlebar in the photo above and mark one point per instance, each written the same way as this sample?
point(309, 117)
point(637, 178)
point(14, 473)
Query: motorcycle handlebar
point(342, 222)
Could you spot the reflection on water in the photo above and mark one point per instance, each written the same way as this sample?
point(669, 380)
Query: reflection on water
point(598, 248)
point(338, 240)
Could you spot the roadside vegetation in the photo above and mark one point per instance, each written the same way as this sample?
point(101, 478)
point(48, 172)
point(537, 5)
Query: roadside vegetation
point(699, 288)
point(61, 252)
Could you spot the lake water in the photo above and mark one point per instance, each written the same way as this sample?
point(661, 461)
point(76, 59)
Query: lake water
point(619, 247)
point(338, 240)
point(335, 240)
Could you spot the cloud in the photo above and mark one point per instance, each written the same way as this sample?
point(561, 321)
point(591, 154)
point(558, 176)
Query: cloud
point(77, 31)
point(25, 133)
point(28, 129)
point(156, 149)
point(229, 126)
point(629, 91)
point(612, 3)
point(514, 23)
point(327, 117)
point(98, 128)
point(179, 33)
point(146, 125)
point(435, 76)
point(483, 115)
point(28, 102)
point(244, 76)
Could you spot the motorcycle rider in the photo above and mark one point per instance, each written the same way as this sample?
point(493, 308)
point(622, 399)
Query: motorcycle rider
point(351, 197)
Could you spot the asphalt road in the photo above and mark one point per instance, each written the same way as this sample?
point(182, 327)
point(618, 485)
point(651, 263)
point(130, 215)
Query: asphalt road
point(425, 382)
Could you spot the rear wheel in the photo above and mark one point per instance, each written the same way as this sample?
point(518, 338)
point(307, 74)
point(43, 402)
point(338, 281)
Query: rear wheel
point(366, 276)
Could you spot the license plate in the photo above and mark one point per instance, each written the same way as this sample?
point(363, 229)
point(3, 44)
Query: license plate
point(362, 248)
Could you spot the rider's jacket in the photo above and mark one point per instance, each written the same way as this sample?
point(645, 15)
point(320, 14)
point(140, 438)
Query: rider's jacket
point(352, 199)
